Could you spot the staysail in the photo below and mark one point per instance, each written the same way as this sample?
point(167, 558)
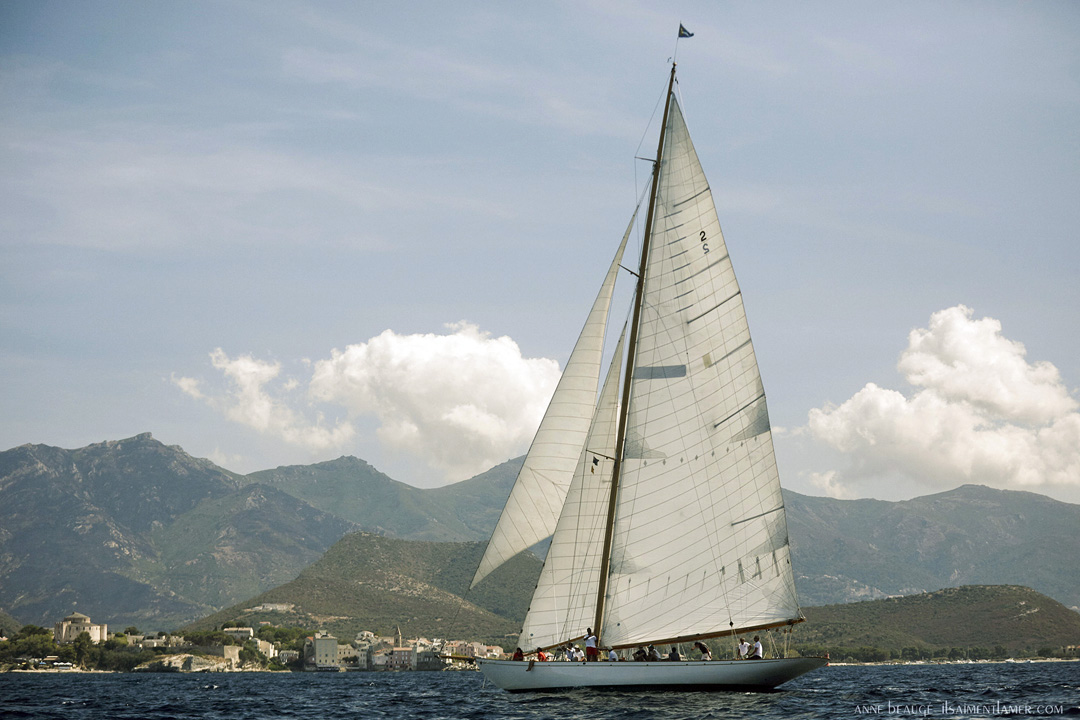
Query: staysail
point(564, 601)
point(699, 545)
point(536, 500)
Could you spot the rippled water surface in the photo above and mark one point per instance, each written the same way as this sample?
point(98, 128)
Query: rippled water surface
point(937, 691)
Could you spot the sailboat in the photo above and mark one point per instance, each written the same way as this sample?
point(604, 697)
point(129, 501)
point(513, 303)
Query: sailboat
point(659, 489)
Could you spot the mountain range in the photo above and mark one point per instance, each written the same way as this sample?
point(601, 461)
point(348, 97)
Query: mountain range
point(133, 532)
point(137, 532)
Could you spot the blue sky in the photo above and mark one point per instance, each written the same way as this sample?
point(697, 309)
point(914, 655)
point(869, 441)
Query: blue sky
point(276, 233)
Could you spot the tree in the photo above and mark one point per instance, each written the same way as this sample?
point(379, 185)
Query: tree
point(250, 653)
point(131, 630)
point(83, 645)
point(113, 643)
point(36, 645)
point(28, 630)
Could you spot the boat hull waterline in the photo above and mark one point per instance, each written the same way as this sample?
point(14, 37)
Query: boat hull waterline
point(752, 675)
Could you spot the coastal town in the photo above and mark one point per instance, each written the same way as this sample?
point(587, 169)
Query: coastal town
point(77, 643)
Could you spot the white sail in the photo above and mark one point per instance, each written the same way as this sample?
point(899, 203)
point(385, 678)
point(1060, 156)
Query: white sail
point(536, 500)
point(564, 602)
point(700, 540)
point(673, 528)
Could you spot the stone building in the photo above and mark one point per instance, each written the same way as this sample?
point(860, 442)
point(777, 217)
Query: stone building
point(74, 625)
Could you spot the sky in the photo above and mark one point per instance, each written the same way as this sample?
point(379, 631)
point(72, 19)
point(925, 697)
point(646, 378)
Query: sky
point(275, 233)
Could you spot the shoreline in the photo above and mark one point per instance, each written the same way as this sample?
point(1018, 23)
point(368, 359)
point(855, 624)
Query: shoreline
point(73, 670)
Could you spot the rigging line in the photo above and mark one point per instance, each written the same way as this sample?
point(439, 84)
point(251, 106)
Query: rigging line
point(644, 133)
point(620, 436)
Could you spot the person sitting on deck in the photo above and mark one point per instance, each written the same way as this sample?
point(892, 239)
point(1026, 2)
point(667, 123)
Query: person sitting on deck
point(757, 652)
point(640, 654)
point(674, 655)
point(541, 655)
point(518, 655)
point(744, 648)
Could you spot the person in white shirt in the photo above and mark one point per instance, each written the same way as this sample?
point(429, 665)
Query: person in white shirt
point(591, 652)
point(757, 652)
point(612, 655)
point(744, 648)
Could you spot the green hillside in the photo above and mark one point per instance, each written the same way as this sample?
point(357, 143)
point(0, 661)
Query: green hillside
point(355, 491)
point(238, 545)
point(368, 582)
point(981, 621)
point(8, 625)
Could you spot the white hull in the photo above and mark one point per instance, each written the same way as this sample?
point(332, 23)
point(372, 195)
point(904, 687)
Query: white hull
point(525, 676)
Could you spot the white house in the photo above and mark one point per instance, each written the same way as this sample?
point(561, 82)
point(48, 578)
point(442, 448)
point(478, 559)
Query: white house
point(322, 650)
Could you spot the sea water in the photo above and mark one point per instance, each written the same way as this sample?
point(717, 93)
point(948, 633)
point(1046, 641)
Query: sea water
point(983, 690)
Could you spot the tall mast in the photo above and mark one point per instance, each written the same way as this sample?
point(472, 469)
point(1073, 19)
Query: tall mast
point(624, 408)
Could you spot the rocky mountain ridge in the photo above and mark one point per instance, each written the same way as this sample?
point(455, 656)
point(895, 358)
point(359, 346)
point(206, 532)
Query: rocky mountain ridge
point(137, 532)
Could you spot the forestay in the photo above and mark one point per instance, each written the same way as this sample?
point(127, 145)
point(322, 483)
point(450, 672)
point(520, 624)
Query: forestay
point(532, 510)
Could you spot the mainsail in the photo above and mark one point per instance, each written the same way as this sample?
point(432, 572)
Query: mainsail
point(700, 542)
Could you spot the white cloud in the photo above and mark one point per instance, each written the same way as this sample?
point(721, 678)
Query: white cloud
point(969, 360)
point(190, 386)
point(980, 413)
point(460, 402)
point(249, 401)
point(829, 484)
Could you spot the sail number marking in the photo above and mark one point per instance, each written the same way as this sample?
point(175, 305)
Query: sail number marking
point(704, 243)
